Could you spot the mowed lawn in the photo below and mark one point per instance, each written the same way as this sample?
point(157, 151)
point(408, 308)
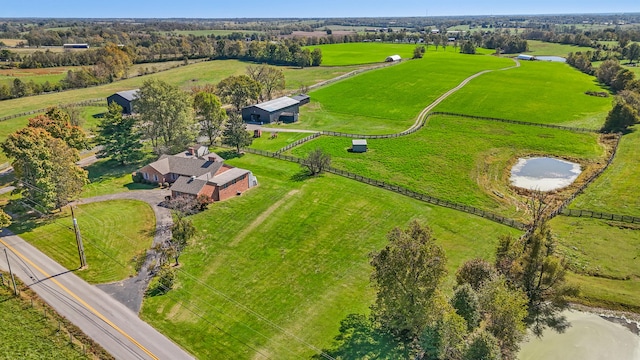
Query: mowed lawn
point(603, 257)
point(541, 92)
point(616, 190)
point(457, 159)
point(389, 100)
point(275, 270)
point(185, 77)
point(362, 53)
point(113, 233)
point(274, 141)
point(547, 48)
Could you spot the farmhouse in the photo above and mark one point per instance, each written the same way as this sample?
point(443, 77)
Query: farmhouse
point(359, 145)
point(393, 58)
point(125, 99)
point(197, 172)
point(284, 109)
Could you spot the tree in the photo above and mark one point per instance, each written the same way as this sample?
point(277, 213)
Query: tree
point(465, 302)
point(475, 272)
point(622, 78)
point(418, 52)
point(317, 161)
point(607, 71)
point(238, 90)
point(45, 166)
point(235, 133)
point(113, 62)
point(181, 232)
point(444, 336)
point(505, 310)
point(119, 136)
point(269, 77)
point(5, 219)
point(166, 115)
point(406, 276)
point(483, 346)
point(58, 124)
point(303, 58)
point(632, 51)
point(467, 47)
point(620, 117)
point(210, 114)
point(531, 264)
point(316, 57)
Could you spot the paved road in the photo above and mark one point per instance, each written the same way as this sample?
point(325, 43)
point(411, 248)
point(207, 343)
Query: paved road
point(101, 317)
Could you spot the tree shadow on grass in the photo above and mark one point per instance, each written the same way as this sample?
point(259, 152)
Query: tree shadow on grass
point(229, 154)
point(301, 175)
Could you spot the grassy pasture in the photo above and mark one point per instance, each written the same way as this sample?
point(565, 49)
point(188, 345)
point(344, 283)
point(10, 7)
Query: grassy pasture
point(283, 139)
point(541, 92)
point(361, 53)
point(388, 100)
point(537, 47)
point(604, 261)
point(27, 335)
point(431, 161)
point(113, 233)
point(294, 251)
point(13, 42)
point(39, 76)
point(185, 77)
point(616, 191)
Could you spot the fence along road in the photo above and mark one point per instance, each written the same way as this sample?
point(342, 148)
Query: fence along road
point(111, 324)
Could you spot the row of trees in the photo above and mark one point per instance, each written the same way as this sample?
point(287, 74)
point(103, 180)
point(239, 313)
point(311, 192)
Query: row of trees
point(486, 317)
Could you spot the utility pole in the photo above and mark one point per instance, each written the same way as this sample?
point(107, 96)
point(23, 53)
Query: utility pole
point(13, 279)
point(83, 259)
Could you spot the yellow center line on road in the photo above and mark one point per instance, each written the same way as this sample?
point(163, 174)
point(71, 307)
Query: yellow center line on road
point(79, 300)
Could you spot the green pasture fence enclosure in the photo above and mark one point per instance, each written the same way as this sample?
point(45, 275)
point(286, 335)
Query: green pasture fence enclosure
point(92, 102)
point(601, 215)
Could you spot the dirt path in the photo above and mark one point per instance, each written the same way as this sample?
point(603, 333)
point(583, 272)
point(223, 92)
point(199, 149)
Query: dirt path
point(260, 219)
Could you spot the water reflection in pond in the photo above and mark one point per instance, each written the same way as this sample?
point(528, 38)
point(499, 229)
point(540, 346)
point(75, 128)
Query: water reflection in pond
point(551, 58)
point(543, 173)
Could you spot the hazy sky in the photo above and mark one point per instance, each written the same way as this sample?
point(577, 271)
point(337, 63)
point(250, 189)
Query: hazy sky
point(303, 8)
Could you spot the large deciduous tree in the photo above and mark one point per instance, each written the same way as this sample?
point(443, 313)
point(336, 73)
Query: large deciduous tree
point(119, 136)
point(239, 90)
point(46, 167)
point(632, 51)
point(113, 62)
point(620, 117)
point(210, 115)
point(407, 273)
point(316, 57)
point(166, 115)
point(607, 71)
point(317, 161)
point(236, 134)
point(269, 77)
point(58, 124)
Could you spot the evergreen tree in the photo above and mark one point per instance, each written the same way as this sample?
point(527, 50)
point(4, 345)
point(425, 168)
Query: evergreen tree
point(119, 136)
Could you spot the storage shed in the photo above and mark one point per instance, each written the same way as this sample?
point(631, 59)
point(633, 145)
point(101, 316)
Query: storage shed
point(303, 98)
point(125, 99)
point(525, 57)
point(393, 58)
point(359, 145)
point(271, 111)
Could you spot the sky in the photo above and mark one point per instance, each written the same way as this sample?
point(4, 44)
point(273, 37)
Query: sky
point(302, 8)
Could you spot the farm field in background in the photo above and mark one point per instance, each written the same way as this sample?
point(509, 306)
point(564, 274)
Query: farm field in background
point(433, 162)
point(540, 92)
point(296, 251)
point(113, 233)
point(388, 100)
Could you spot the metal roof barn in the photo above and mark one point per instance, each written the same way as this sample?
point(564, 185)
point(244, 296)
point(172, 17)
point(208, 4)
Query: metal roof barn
point(125, 99)
point(271, 111)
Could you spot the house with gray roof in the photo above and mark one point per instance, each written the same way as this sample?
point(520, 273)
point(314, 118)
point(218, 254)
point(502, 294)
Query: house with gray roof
point(284, 109)
point(125, 99)
point(197, 172)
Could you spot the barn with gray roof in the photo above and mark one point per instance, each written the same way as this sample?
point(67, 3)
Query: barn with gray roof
point(284, 109)
point(125, 99)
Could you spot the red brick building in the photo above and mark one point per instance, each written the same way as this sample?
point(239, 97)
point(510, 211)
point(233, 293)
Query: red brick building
point(197, 172)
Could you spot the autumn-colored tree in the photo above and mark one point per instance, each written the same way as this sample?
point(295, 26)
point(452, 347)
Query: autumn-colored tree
point(58, 124)
point(113, 62)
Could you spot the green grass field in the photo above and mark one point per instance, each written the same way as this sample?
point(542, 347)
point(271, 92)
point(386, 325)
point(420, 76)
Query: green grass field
point(388, 100)
point(362, 53)
point(294, 251)
point(546, 48)
point(26, 334)
point(541, 92)
point(274, 144)
point(616, 191)
point(113, 233)
point(110, 177)
point(604, 260)
point(431, 161)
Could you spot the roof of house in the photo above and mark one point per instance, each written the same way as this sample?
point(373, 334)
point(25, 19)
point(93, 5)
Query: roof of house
point(185, 166)
point(300, 97)
point(129, 94)
point(359, 142)
point(188, 185)
point(277, 104)
point(228, 175)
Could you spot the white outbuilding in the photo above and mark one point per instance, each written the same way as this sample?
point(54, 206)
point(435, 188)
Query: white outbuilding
point(359, 145)
point(525, 57)
point(393, 58)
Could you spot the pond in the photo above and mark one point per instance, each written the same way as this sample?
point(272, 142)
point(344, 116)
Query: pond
point(590, 337)
point(544, 173)
point(551, 58)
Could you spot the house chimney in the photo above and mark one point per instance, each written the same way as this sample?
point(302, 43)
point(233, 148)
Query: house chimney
point(192, 151)
point(212, 158)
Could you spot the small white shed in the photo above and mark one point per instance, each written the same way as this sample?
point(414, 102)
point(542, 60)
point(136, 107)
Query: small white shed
point(525, 57)
point(359, 145)
point(393, 58)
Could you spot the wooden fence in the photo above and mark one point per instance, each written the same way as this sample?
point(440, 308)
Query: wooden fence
point(601, 215)
point(400, 190)
point(92, 102)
